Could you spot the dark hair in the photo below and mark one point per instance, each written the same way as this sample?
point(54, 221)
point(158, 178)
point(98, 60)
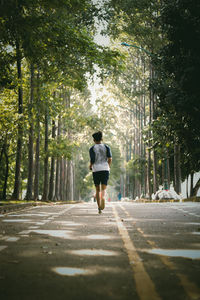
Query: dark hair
point(97, 136)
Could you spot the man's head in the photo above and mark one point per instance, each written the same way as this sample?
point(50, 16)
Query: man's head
point(97, 136)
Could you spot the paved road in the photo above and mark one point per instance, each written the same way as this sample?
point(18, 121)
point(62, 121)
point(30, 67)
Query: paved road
point(132, 251)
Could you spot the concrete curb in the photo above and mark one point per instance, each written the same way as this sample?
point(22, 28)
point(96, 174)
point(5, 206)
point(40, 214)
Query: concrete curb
point(192, 199)
point(157, 201)
point(14, 207)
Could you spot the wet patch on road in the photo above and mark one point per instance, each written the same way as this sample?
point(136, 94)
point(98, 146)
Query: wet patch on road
point(71, 271)
point(3, 247)
point(66, 271)
point(94, 252)
point(67, 223)
point(186, 253)
point(17, 221)
point(99, 237)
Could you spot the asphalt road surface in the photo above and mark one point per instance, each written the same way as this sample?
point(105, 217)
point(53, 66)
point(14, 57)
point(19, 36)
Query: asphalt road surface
point(131, 251)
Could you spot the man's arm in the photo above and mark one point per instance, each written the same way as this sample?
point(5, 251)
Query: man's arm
point(109, 161)
point(92, 157)
point(109, 155)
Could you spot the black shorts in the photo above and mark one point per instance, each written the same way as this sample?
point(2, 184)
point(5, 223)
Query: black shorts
point(101, 177)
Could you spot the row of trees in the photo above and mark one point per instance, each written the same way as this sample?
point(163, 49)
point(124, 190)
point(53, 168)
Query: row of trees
point(161, 141)
point(47, 54)
point(150, 114)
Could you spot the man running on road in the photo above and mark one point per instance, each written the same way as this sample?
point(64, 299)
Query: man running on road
point(100, 162)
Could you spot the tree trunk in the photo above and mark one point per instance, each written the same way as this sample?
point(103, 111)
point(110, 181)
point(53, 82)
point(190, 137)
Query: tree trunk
point(4, 196)
point(52, 172)
point(16, 191)
point(69, 181)
point(168, 172)
point(191, 183)
point(149, 174)
point(187, 186)
point(37, 150)
point(195, 189)
point(29, 193)
point(65, 179)
point(177, 175)
point(46, 160)
point(61, 179)
point(57, 182)
point(155, 172)
point(2, 151)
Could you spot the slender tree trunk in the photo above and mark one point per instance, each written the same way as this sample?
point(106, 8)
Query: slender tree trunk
point(155, 168)
point(163, 172)
point(46, 159)
point(57, 182)
point(57, 190)
point(168, 172)
point(191, 184)
point(37, 167)
point(177, 175)
point(155, 172)
point(16, 191)
point(149, 173)
point(37, 150)
point(61, 179)
point(65, 179)
point(195, 189)
point(52, 172)
point(2, 151)
point(4, 195)
point(29, 193)
point(179, 168)
point(187, 186)
point(57, 185)
point(69, 181)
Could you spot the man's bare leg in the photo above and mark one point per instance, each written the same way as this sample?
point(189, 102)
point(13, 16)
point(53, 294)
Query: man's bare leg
point(98, 196)
point(103, 191)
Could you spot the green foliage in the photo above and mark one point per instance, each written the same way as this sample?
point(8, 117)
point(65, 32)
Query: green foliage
point(135, 168)
point(56, 40)
point(177, 80)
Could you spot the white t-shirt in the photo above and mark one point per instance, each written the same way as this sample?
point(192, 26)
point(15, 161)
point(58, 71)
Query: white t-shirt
point(99, 154)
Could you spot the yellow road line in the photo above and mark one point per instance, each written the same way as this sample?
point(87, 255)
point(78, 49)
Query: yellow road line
point(144, 285)
point(190, 288)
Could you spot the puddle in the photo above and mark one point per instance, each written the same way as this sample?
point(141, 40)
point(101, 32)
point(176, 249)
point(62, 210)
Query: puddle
point(187, 253)
point(68, 223)
point(99, 237)
point(3, 247)
point(196, 232)
point(12, 239)
point(18, 221)
point(68, 271)
point(65, 234)
point(33, 227)
point(94, 252)
point(40, 223)
point(24, 232)
point(73, 271)
point(30, 215)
